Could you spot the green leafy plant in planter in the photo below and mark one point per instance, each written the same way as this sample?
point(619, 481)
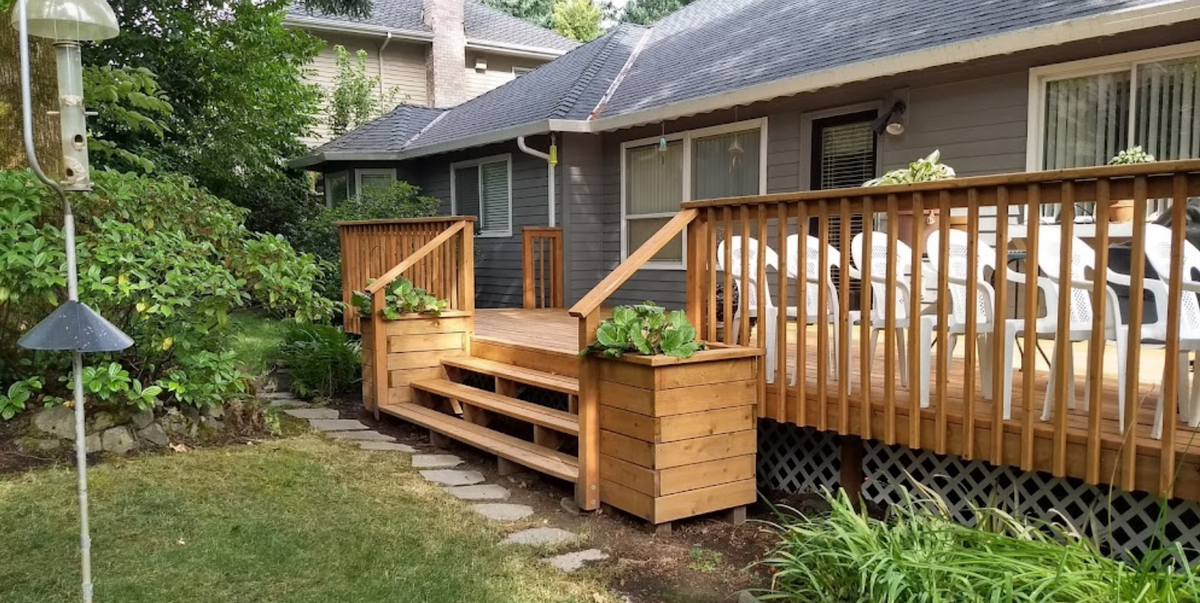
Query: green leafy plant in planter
point(928, 169)
point(1132, 156)
point(1122, 210)
point(645, 329)
point(403, 297)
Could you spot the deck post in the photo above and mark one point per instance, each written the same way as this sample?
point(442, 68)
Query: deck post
point(379, 351)
point(587, 489)
point(852, 467)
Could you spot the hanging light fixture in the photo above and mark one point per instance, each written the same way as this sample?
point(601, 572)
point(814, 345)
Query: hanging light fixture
point(735, 149)
point(73, 326)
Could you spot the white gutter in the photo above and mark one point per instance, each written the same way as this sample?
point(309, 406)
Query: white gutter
point(348, 27)
point(549, 171)
point(382, 47)
point(514, 50)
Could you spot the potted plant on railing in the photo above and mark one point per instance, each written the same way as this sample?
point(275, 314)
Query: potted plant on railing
point(928, 169)
point(1122, 211)
point(677, 416)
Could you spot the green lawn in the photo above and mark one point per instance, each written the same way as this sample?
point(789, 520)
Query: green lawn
point(298, 520)
point(255, 339)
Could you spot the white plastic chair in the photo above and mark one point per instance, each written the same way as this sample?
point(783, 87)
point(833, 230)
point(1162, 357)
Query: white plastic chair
point(879, 258)
point(748, 300)
point(818, 275)
point(1158, 252)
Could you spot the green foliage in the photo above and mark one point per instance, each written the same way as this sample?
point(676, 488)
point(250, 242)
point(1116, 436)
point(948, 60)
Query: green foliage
point(321, 360)
point(929, 169)
point(577, 19)
point(126, 101)
point(164, 261)
point(704, 560)
point(18, 395)
point(538, 12)
point(921, 554)
point(402, 297)
point(647, 12)
point(1131, 156)
point(356, 97)
point(645, 329)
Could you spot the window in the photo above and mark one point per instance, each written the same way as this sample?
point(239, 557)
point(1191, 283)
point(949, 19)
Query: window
point(337, 187)
point(724, 161)
point(483, 188)
point(373, 178)
point(519, 71)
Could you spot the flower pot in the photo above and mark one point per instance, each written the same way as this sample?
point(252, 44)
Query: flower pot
point(904, 225)
point(1121, 211)
point(678, 436)
point(415, 345)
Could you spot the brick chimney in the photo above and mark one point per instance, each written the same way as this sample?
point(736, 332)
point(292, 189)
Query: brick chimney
point(446, 58)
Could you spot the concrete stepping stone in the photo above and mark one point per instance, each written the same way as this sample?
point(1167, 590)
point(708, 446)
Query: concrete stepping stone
point(386, 447)
point(503, 511)
point(480, 492)
point(369, 436)
point(453, 477)
point(275, 395)
point(573, 562)
point(337, 425)
point(541, 537)
point(436, 461)
point(288, 403)
point(312, 413)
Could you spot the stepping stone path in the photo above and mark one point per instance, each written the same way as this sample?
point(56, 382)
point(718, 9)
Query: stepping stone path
point(386, 447)
point(503, 512)
point(480, 492)
point(435, 461)
point(541, 537)
point(572, 562)
point(337, 425)
point(312, 413)
point(453, 477)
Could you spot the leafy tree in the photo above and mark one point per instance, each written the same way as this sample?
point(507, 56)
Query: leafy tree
point(538, 12)
point(356, 97)
point(647, 12)
point(577, 19)
point(125, 100)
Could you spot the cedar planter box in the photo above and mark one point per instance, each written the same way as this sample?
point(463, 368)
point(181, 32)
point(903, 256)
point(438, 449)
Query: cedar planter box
point(414, 346)
point(678, 437)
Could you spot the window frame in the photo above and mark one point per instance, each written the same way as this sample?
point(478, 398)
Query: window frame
point(1126, 61)
point(328, 190)
point(518, 71)
point(476, 163)
point(686, 136)
point(360, 172)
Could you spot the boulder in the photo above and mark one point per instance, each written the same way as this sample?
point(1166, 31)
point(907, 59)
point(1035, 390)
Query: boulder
point(92, 444)
point(40, 444)
point(175, 424)
point(154, 434)
point(118, 440)
point(143, 419)
point(101, 421)
point(58, 421)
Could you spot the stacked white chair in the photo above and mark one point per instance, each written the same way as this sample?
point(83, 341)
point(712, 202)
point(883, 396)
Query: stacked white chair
point(818, 276)
point(748, 300)
point(1158, 252)
point(877, 249)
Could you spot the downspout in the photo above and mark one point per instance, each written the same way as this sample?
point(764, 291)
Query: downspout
point(382, 47)
point(551, 160)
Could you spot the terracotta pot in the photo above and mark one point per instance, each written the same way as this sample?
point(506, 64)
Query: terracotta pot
point(904, 223)
point(1121, 211)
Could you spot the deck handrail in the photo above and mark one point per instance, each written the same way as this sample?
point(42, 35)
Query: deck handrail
point(391, 275)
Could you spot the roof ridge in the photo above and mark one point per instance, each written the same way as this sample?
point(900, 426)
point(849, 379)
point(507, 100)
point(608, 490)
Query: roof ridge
point(568, 100)
point(441, 113)
point(620, 77)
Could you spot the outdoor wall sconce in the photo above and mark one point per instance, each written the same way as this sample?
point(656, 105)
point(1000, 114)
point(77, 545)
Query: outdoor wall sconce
point(892, 121)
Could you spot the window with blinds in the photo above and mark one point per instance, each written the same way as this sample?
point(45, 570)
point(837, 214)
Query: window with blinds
point(843, 156)
point(481, 188)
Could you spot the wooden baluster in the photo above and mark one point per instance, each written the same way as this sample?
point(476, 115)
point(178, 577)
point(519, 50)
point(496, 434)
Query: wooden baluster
point(710, 221)
point(971, 337)
point(781, 322)
point(1170, 405)
point(761, 301)
point(697, 273)
point(843, 319)
point(379, 351)
point(559, 272)
point(889, 332)
point(914, 320)
point(1095, 371)
point(802, 312)
point(744, 283)
point(997, 340)
point(822, 314)
point(466, 269)
point(587, 489)
point(866, 355)
point(943, 312)
point(1062, 341)
point(727, 309)
point(527, 294)
point(1029, 352)
point(1133, 356)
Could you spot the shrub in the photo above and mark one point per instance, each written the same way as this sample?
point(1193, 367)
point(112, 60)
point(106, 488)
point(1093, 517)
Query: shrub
point(164, 261)
point(919, 553)
point(645, 329)
point(321, 360)
point(401, 298)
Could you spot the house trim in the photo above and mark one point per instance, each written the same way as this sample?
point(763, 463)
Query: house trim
point(360, 172)
point(1128, 61)
point(686, 137)
point(507, 159)
point(350, 27)
point(513, 50)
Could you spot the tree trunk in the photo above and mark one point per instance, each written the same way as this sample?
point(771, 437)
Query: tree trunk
point(46, 137)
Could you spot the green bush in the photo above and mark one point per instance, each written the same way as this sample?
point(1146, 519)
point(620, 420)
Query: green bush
point(318, 234)
point(164, 261)
point(321, 360)
point(401, 297)
point(921, 554)
point(645, 329)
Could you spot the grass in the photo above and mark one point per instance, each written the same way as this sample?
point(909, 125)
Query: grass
point(298, 520)
point(704, 560)
point(255, 339)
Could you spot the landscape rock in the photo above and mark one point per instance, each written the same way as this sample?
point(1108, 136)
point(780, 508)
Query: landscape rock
point(58, 421)
point(573, 562)
point(211, 425)
point(175, 424)
point(289, 403)
point(312, 413)
point(41, 445)
point(92, 444)
point(337, 425)
point(453, 477)
point(541, 537)
point(480, 492)
point(435, 461)
point(503, 511)
point(386, 447)
point(100, 422)
point(369, 436)
point(143, 419)
point(216, 412)
point(155, 434)
point(118, 440)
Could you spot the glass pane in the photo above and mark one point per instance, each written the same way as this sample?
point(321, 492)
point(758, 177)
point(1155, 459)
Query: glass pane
point(375, 181)
point(642, 229)
point(495, 197)
point(726, 165)
point(1168, 109)
point(847, 155)
point(654, 179)
point(466, 191)
point(337, 187)
point(1087, 120)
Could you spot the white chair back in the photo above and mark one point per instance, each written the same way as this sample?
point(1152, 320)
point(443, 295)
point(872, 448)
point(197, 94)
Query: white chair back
point(1083, 259)
point(1158, 252)
point(747, 299)
point(957, 266)
point(879, 266)
point(812, 268)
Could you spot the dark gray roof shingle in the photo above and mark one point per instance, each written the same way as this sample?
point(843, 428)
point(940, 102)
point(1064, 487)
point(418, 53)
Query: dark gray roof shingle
point(386, 133)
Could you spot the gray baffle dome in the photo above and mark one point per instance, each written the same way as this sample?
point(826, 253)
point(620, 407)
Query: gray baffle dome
point(74, 327)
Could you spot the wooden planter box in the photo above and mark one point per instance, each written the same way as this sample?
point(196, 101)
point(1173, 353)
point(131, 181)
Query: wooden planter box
point(415, 346)
point(678, 437)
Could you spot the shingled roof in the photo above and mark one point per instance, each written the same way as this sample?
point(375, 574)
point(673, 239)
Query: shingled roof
point(719, 53)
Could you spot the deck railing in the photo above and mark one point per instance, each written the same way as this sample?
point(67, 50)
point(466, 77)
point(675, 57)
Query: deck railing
point(542, 267)
point(796, 297)
point(372, 249)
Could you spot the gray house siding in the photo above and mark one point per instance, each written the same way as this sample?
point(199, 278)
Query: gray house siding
point(583, 183)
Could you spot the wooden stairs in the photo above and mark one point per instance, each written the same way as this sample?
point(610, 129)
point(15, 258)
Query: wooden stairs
point(450, 407)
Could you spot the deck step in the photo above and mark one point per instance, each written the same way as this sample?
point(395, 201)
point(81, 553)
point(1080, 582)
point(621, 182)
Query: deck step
point(529, 412)
point(528, 454)
point(558, 362)
point(541, 379)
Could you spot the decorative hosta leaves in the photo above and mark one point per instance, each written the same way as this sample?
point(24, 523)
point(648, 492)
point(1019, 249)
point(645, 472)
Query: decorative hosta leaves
point(645, 329)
